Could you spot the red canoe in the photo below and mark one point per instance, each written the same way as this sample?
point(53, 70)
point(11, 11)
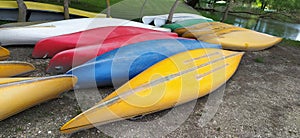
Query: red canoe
point(65, 60)
point(50, 46)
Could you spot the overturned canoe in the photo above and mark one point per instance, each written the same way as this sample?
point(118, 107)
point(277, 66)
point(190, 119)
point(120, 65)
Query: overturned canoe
point(15, 79)
point(41, 11)
point(17, 96)
point(160, 20)
point(185, 23)
point(15, 68)
point(33, 33)
point(20, 24)
point(50, 46)
point(118, 66)
point(171, 82)
point(65, 60)
point(204, 26)
point(4, 53)
point(229, 36)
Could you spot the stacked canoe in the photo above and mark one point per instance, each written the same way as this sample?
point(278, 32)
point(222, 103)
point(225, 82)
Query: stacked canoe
point(4, 53)
point(18, 93)
point(152, 68)
point(229, 36)
point(41, 11)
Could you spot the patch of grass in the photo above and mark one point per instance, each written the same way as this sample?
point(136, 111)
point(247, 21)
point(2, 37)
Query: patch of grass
point(78, 111)
point(18, 129)
point(289, 42)
point(259, 60)
point(4, 22)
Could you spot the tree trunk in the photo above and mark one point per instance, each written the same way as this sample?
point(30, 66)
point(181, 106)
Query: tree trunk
point(263, 5)
point(108, 9)
point(22, 11)
point(226, 10)
point(66, 9)
point(142, 9)
point(170, 18)
point(192, 3)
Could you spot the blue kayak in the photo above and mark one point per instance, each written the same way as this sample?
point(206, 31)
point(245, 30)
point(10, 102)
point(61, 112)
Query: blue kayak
point(120, 65)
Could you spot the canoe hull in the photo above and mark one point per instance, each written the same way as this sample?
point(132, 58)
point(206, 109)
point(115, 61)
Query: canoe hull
point(15, 68)
point(185, 23)
point(118, 66)
point(229, 36)
point(160, 20)
point(173, 81)
point(12, 15)
point(15, 79)
point(41, 11)
point(32, 34)
point(50, 46)
point(20, 95)
point(4, 53)
point(65, 60)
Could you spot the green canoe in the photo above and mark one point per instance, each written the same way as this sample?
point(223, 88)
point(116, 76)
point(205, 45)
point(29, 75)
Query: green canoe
point(186, 23)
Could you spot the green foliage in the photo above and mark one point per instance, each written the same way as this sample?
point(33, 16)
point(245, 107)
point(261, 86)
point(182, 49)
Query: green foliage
point(259, 60)
point(288, 42)
point(4, 22)
point(289, 6)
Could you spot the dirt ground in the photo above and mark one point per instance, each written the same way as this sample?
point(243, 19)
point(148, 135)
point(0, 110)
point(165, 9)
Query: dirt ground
point(261, 100)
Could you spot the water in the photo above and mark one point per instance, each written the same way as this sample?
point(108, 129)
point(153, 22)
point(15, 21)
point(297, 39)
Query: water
point(269, 26)
point(273, 27)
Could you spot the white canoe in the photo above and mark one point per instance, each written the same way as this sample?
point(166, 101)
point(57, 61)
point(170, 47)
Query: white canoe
point(33, 33)
point(160, 20)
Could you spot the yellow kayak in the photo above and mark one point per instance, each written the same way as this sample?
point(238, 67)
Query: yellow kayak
point(20, 95)
point(173, 81)
point(229, 36)
point(48, 8)
point(15, 68)
point(4, 53)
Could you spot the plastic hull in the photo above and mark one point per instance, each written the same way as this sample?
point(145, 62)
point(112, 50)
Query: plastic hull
point(33, 33)
point(50, 46)
point(185, 23)
point(118, 66)
point(15, 68)
point(41, 11)
point(173, 81)
point(4, 53)
point(65, 60)
point(160, 20)
point(20, 95)
point(230, 37)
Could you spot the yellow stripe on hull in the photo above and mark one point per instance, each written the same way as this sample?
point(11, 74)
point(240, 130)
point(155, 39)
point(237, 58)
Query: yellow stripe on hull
point(49, 8)
point(18, 96)
point(173, 81)
point(15, 68)
point(4, 53)
point(229, 36)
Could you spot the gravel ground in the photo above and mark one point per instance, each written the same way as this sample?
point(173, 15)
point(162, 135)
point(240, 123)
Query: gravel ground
point(261, 100)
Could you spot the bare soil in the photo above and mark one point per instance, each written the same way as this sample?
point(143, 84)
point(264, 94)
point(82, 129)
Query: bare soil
point(261, 100)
